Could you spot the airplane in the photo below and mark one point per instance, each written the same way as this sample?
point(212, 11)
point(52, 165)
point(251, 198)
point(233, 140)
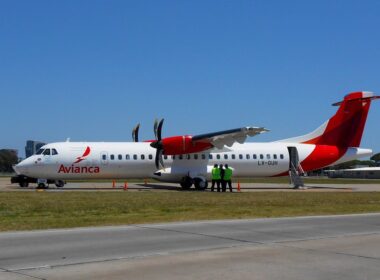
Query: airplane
point(188, 160)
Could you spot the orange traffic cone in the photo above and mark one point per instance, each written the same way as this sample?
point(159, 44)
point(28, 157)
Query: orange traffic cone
point(125, 186)
point(113, 184)
point(238, 187)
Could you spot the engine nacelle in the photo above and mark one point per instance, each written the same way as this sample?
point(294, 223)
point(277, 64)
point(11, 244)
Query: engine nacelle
point(178, 145)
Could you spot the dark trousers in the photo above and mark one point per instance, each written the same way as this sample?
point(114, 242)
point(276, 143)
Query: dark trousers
point(217, 185)
point(228, 182)
point(223, 186)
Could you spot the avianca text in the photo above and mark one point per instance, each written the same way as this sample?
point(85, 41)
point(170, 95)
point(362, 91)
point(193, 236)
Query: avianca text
point(78, 169)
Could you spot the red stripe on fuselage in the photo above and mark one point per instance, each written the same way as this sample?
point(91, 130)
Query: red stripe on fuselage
point(321, 156)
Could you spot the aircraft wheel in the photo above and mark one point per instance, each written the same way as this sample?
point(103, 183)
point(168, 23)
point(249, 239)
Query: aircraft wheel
point(59, 183)
point(200, 184)
point(186, 183)
point(24, 184)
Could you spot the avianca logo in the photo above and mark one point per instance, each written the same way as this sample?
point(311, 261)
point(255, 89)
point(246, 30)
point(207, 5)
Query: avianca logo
point(83, 157)
point(79, 169)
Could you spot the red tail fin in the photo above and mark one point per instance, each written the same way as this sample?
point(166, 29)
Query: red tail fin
point(345, 128)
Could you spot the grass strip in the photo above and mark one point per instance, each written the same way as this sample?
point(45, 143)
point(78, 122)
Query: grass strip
point(43, 210)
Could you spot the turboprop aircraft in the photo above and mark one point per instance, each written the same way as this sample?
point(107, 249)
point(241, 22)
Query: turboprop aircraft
point(188, 160)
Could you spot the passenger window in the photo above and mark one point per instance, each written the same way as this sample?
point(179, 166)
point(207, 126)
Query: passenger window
point(188, 156)
point(254, 156)
point(127, 157)
point(142, 157)
point(274, 156)
point(210, 156)
point(135, 157)
point(47, 152)
point(112, 157)
point(281, 156)
point(104, 157)
point(240, 156)
point(247, 156)
point(261, 156)
point(180, 156)
point(173, 157)
point(217, 156)
point(54, 152)
point(120, 157)
point(203, 156)
point(233, 156)
point(196, 156)
point(225, 156)
point(268, 156)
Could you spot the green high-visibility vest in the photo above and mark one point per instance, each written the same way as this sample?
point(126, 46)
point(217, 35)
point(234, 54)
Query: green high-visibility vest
point(215, 172)
point(227, 174)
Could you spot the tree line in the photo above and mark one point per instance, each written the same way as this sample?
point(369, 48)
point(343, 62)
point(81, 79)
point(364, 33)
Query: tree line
point(7, 159)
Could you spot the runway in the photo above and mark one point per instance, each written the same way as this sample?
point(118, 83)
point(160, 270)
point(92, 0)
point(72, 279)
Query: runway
point(331, 247)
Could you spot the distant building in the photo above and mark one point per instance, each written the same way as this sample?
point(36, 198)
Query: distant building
point(357, 173)
point(32, 147)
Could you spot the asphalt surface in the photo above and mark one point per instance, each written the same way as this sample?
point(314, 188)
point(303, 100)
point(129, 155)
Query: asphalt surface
point(331, 247)
point(5, 185)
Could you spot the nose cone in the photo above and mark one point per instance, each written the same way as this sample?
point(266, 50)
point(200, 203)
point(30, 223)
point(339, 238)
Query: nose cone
point(22, 167)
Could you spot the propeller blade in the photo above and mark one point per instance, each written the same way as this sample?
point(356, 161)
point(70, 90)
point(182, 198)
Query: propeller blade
point(135, 133)
point(159, 160)
point(162, 159)
point(155, 128)
point(159, 130)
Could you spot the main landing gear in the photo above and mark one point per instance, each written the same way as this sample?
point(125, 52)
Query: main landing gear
point(200, 184)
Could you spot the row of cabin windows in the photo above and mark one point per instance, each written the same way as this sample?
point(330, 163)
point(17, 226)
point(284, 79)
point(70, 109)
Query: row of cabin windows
point(202, 156)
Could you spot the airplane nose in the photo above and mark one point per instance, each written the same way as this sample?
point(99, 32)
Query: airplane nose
point(21, 168)
point(18, 168)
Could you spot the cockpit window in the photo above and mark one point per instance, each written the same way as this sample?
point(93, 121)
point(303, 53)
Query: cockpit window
point(54, 152)
point(39, 151)
point(47, 152)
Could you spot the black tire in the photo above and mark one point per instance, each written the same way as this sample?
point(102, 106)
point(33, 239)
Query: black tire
point(59, 183)
point(186, 183)
point(200, 184)
point(24, 184)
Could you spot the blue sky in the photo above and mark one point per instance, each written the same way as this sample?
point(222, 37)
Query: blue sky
point(91, 70)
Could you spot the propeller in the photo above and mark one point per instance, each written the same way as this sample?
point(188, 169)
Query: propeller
point(135, 133)
point(158, 143)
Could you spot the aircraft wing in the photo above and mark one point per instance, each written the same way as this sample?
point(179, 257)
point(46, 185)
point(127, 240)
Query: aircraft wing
point(228, 137)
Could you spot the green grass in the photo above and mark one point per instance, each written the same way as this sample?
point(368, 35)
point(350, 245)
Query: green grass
point(43, 210)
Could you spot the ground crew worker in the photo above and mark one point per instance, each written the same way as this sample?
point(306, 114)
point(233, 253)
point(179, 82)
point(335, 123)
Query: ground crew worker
point(215, 178)
point(222, 182)
point(227, 177)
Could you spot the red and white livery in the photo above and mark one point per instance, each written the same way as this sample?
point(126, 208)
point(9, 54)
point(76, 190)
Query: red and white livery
point(189, 159)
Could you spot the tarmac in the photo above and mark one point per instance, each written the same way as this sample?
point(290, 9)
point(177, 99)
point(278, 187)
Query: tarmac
point(5, 185)
point(329, 247)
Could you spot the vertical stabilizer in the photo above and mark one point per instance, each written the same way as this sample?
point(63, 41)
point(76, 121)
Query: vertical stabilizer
point(345, 128)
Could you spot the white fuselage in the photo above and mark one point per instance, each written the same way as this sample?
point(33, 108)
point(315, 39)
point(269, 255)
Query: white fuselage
point(123, 160)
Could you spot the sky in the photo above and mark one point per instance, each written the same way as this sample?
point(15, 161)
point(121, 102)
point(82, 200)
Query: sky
point(91, 70)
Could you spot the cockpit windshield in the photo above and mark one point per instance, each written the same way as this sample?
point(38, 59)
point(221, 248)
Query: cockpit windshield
point(47, 152)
